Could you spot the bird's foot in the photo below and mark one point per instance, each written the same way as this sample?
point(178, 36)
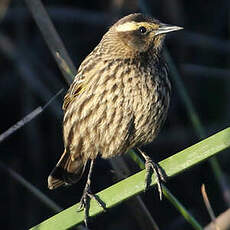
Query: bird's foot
point(152, 167)
point(84, 202)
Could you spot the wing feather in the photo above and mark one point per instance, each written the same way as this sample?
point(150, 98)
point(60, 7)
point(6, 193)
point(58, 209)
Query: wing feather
point(76, 88)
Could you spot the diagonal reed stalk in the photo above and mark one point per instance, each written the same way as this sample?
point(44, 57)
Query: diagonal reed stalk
point(198, 127)
point(133, 185)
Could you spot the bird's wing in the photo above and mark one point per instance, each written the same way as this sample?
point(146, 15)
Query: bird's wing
point(80, 81)
point(76, 88)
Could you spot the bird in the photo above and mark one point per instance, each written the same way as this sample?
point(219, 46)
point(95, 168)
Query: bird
point(118, 100)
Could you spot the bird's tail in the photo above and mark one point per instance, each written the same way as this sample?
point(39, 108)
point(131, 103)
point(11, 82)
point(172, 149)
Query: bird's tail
point(67, 171)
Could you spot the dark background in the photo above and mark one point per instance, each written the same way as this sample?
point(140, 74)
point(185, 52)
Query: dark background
point(30, 77)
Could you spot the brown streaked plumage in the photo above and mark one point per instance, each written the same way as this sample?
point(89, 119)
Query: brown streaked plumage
point(118, 100)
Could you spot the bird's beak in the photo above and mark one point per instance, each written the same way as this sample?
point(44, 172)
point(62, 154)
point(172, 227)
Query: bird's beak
point(165, 28)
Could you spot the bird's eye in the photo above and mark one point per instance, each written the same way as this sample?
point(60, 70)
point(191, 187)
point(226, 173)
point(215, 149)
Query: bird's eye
point(142, 29)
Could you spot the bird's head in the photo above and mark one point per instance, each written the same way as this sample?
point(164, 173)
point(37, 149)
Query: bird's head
point(137, 33)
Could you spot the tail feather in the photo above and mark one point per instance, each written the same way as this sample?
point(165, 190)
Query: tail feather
point(67, 171)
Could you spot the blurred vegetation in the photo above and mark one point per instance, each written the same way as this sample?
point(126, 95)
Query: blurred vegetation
point(30, 77)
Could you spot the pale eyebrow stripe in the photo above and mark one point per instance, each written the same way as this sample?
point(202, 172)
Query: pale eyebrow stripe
point(130, 26)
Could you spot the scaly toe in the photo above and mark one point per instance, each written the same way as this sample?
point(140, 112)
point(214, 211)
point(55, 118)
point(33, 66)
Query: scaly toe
point(151, 166)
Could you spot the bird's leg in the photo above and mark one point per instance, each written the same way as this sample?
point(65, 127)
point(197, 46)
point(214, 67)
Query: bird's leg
point(87, 195)
point(150, 167)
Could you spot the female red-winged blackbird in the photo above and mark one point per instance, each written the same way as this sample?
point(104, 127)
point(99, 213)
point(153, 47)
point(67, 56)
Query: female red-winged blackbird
point(119, 99)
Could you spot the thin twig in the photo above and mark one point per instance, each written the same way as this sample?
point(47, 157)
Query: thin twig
point(223, 221)
point(21, 123)
point(64, 65)
point(52, 99)
point(51, 36)
point(27, 73)
point(35, 191)
point(208, 206)
point(27, 118)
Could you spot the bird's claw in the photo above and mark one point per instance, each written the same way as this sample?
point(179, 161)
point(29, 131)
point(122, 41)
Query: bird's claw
point(84, 203)
point(151, 166)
